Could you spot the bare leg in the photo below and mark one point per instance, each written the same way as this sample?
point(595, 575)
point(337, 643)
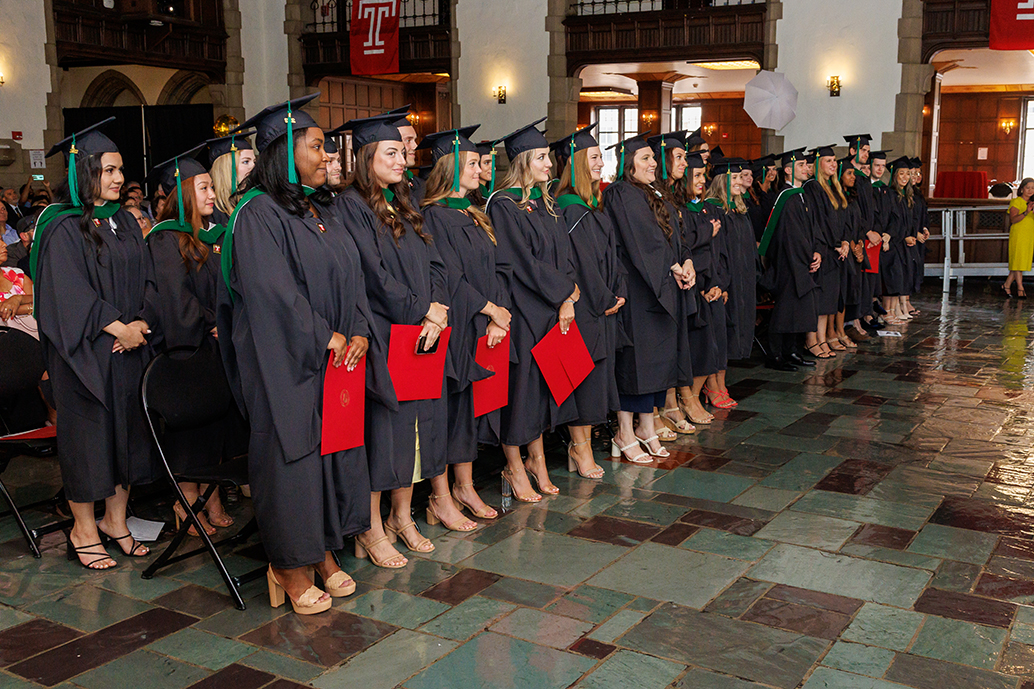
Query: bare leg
point(463, 489)
point(383, 551)
point(536, 464)
point(1019, 283)
point(190, 492)
point(445, 508)
point(647, 430)
point(581, 451)
point(296, 582)
point(694, 409)
point(625, 436)
point(114, 522)
point(216, 512)
point(400, 520)
point(84, 534)
point(1009, 280)
point(516, 476)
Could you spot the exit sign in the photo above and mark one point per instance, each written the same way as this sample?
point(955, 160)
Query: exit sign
point(17, 136)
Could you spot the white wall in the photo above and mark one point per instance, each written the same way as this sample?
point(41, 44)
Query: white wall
point(502, 44)
point(856, 41)
point(150, 81)
point(264, 49)
point(23, 97)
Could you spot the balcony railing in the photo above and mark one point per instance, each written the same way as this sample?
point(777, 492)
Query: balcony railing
point(603, 32)
point(331, 16)
point(591, 7)
point(88, 36)
point(955, 24)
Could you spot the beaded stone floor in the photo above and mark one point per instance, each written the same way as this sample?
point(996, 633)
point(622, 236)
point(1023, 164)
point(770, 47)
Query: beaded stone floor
point(867, 524)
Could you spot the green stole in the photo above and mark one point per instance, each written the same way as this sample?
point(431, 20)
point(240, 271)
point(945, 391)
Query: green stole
point(574, 200)
point(208, 236)
point(460, 204)
point(773, 219)
point(57, 210)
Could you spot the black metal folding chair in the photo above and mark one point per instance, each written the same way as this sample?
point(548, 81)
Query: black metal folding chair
point(21, 367)
point(184, 389)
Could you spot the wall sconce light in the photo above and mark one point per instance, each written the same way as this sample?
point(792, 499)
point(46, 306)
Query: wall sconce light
point(649, 118)
point(499, 93)
point(1008, 126)
point(1, 79)
point(926, 111)
point(710, 129)
point(834, 86)
point(413, 118)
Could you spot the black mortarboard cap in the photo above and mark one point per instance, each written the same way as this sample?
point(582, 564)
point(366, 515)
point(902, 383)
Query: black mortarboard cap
point(89, 141)
point(823, 151)
point(485, 147)
point(917, 163)
point(694, 139)
point(401, 116)
point(660, 143)
point(695, 161)
point(790, 157)
point(858, 140)
point(449, 141)
point(329, 145)
point(904, 162)
point(878, 155)
point(272, 121)
point(370, 130)
point(188, 165)
point(729, 165)
point(763, 162)
point(579, 141)
point(217, 148)
point(527, 138)
point(717, 152)
point(809, 158)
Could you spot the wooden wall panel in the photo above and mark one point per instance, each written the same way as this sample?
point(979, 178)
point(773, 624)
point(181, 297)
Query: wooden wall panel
point(736, 134)
point(970, 121)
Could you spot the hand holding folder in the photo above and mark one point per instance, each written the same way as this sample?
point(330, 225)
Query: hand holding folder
point(873, 251)
point(564, 360)
point(344, 407)
point(416, 375)
point(492, 393)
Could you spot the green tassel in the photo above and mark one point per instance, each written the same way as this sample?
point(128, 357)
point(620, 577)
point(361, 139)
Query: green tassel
point(664, 163)
point(292, 174)
point(456, 159)
point(179, 191)
point(73, 187)
point(728, 191)
point(571, 163)
point(621, 166)
point(491, 187)
point(233, 165)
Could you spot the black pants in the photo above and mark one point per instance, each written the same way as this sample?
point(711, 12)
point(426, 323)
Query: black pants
point(782, 345)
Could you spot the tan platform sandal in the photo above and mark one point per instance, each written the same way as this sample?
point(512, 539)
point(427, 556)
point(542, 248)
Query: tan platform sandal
point(309, 603)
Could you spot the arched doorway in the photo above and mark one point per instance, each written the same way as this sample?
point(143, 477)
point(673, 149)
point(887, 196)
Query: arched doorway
point(112, 88)
point(185, 88)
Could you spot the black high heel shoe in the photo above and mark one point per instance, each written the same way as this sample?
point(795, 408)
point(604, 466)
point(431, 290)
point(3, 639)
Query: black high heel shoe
point(73, 554)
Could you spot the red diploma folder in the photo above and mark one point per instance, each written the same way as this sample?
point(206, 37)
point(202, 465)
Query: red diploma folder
point(873, 251)
point(564, 360)
point(344, 407)
point(416, 376)
point(492, 393)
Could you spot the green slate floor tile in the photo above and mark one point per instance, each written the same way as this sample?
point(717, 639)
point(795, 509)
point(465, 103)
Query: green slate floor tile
point(883, 626)
point(959, 642)
point(88, 608)
point(470, 617)
point(698, 678)
point(419, 575)
point(728, 544)
point(9, 617)
point(282, 666)
point(595, 506)
point(142, 669)
point(451, 550)
point(630, 669)
point(670, 574)
point(954, 544)
point(764, 498)
point(862, 509)
point(619, 624)
point(645, 511)
point(589, 603)
point(1022, 633)
point(701, 484)
point(859, 659)
point(542, 628)
point(522, 592)
point(828, 678)
point(202, 648)
point(546, 558)
point(801, 472)
point(896, 557)
point(493, 661)
point(842, 575)
point(399, 609)
point(9, 682)
point(233, 623)
point(812, 530)
point(129, 583)
point(387, 663)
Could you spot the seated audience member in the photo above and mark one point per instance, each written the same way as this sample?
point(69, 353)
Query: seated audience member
point(18, 252)
point(141, 218)
point(10, 235)
point(134, 195)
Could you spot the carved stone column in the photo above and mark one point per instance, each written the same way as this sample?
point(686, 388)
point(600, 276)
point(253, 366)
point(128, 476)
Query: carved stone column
point(771, 142)
point(228, 97)
point(907, 137)
point(564, 91)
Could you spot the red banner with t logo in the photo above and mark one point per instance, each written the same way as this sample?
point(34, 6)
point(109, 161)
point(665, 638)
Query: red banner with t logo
point(1012, 24)
point(374, 37)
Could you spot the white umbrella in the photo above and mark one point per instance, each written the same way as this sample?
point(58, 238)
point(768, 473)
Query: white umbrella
point(770, 100)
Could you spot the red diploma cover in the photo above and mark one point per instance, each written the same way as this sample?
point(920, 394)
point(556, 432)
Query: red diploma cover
point(873, 251)
point(344, 407)
point(416, 376)
point(492, 393)
point(564, 360)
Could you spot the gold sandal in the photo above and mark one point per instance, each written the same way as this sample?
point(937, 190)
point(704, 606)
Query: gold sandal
point(433, 518)
point(394, 534)
point(681, 426)
point(338, 585)
point(572, 464)
point(363, 550)
point(487, 513)
point(308, 604)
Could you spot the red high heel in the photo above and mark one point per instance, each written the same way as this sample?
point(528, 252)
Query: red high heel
point(718, 399)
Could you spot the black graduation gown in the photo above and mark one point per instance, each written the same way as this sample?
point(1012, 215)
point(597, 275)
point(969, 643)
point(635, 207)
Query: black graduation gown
point(790, 257)
point(918, 252)
point(894, 263)
point(828, 230)
point(647, 360)
point(738, 231)
point(297, 281)
point(601, 280)
point(187, 301)
point(417, 188)
point(219, 217)
point(707, 337)
point(475, 278)
point(103, 439)
point(534, 244)
point(401, 282)
point(853, 269)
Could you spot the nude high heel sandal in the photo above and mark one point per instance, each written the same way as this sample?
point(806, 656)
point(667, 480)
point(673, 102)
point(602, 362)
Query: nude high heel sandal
point(308, 604)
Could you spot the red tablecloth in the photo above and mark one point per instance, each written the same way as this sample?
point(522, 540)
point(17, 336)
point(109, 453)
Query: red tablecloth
point(961, 185)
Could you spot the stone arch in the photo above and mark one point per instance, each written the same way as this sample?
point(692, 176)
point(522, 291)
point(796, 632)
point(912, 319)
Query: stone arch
point(106, 87)
point(181, 88)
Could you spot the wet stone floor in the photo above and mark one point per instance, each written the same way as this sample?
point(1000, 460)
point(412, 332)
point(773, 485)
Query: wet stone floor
point(867, 524)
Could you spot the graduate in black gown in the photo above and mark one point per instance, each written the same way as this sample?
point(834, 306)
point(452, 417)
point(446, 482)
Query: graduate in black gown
point(857, 260)
point(335, 175)
point(872, 287)
point(407, 131)
point(532, 237)
point(479, 294)
point(657, 272)
point(297, 308)
point(728, 193)
point(486, 184)
point(406, 284)
point(899, 224)
point(231, 159)
point(828, 206)
point(922, 234)
point(601, 279)
point(95, 304)
point(185, 247)
point(859, 305)
point(762, 192)
point(792, 258)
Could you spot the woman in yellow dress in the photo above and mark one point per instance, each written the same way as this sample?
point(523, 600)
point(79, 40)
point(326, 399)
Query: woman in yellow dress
point(1021, 237)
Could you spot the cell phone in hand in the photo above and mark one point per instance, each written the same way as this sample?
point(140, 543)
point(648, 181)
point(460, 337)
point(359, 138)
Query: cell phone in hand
point(421, 341)
point(37, 178)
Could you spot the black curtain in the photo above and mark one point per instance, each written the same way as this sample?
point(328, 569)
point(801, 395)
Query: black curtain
point(173, 129)
point(127, 131)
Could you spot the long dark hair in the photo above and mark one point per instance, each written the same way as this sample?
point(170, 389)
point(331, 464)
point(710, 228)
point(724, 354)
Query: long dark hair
point(654, 197)
point(88, 179)
point(192, 250)
point(372, 193)
point(270, 176)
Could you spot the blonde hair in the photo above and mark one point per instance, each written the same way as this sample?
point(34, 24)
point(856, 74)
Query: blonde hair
point(520, 175)
point(831, 185)
point(222, 175)
point(587, 189)
point(717, 190)
point(440, 185)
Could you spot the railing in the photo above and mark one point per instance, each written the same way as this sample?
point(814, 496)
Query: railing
point(601, 34)
point(330, 16)
point(968, 241)
point(955, 24)
point(591, 7)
